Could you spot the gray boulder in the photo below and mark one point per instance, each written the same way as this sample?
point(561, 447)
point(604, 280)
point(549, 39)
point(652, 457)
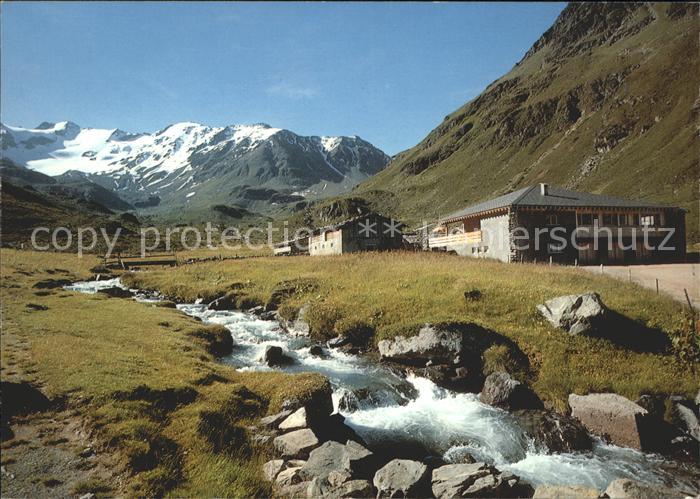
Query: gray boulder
point(295, 421)
point(500, 390)
point(358, 460)
point(323, 460)
point(296, 444)
point(324, 487)
point(402, 478)
point(272, 468)
point(473, 480)
point(685, 418)
point(293, 491)
point(275, 419)
point(614, 417)
point(275, 356)
point(553, 431)
point(625, 488)
point(116, 292)
point(289, 476)
point(441, 346)
point(565, 492)
point(576, 314)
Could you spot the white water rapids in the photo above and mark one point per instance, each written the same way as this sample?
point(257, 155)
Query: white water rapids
point(414, 411)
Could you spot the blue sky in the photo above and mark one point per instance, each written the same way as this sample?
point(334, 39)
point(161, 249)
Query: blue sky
point(388, 72)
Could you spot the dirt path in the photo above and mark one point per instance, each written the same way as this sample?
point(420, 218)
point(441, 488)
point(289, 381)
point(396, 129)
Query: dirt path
point(47, 450)
point(673, 278)
point(51, 455)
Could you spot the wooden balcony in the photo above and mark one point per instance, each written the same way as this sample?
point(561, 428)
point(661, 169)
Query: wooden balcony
point(473, 237)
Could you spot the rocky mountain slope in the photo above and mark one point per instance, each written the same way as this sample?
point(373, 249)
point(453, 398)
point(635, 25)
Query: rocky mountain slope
point(605, 101)
point(188, 165)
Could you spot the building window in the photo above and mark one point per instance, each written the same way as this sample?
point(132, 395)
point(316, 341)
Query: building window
point(647, 220)
point(552, 220)
point(555, 249)
point(609, 219)
point(486, 249)
point(474, 249)
point(585, 219)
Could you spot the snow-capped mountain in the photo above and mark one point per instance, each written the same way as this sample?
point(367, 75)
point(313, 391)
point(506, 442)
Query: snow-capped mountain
point(194, 164)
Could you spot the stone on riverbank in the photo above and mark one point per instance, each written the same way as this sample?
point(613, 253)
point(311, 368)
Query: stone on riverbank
point(565, 492)
point(402, 478)
point(625, 488)
point(275, 356)
point(500, 390)
point(272, 468)
point(296, 444)
point(473, 480)
point(440, 346)
point(116, 292)
point(324, 487)
point(555, 432)
point(614, 417)
point(295, 421)
point(323, 460)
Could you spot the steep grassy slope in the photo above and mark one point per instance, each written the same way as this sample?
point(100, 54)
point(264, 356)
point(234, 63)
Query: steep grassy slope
point(605, 101)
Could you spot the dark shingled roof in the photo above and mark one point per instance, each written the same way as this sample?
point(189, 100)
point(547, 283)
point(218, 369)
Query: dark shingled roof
point(556, 197)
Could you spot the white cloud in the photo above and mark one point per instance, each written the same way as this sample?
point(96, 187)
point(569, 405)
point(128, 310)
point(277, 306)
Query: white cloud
point(291, 90)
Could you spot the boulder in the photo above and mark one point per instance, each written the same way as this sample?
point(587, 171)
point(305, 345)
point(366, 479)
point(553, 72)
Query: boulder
point(322, 487)
point(576, 314)
point(272, 468)
point(473, 480)
point(296, 444)
point(555, 432)
point(275, 419)
point(460, 379)
point(402, 478)
point(440, 346)
point(289, 476)
point(565, 492)
point(322, 460)
point(613, 417)
point(275, 356)
point(225, 302)
point(295, 421)
point(654, 404)
point(316, 351)
point(318, 404)
point(684, 417)
point(358, 460)
point(116, 292)
point(500, 390)
point(293, 491)
point(632, 489)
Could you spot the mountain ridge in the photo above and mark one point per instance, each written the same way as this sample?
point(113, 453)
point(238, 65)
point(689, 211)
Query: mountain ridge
point(184, 159)
point(605, 95)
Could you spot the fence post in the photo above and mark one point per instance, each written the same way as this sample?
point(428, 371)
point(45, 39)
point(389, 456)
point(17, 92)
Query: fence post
point(692, 309)
point(601, 268)
point(550, 261)
point(630, 273)
point(657, 286)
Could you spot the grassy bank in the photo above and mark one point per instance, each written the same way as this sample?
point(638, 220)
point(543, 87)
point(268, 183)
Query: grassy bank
point(392, 293)
point(142, 377)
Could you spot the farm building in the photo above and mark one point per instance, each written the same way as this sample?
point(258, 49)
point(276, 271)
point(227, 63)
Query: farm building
point(543, 222)
point(370, 232)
